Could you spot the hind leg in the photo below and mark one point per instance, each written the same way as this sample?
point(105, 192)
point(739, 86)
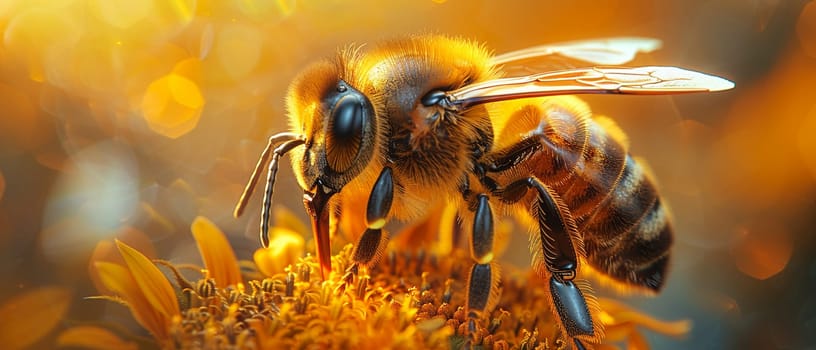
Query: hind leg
point(557, 249)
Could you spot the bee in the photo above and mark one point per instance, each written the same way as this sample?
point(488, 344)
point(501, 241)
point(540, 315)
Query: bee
point(416, 123)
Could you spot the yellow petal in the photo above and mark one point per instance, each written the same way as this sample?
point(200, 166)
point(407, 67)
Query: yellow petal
point(623, 313)
point(151, 281)
point(92, 337)
point(216, 252)
point(106, 251)
point(284, 249)
point(27, 317)
point(118, 279)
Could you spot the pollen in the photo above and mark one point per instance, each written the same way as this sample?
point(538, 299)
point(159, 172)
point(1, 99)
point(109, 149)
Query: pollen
point(377, 224)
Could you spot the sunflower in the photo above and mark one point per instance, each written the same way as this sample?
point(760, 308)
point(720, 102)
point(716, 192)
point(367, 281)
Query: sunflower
point(411, 299)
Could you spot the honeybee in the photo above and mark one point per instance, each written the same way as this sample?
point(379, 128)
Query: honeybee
point(418, 122)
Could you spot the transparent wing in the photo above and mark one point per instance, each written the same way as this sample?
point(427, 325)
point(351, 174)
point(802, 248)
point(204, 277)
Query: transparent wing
point(598, 80)
point(605, 51)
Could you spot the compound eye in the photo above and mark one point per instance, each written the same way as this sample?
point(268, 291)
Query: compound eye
point(345, 132)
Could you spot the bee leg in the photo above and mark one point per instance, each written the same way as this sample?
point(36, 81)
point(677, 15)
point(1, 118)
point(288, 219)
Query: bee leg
point(372, 242)
point(483, 278)
point(560, 257)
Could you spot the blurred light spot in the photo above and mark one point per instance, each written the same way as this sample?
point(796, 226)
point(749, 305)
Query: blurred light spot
point(440, 1)
point(172, 105)
point(40, 33)
point(806, 29)
point(5, 7)
point(267, 10)
point(90, 201)
point(762, 252)
point(121, 13)
point(238, 49)
point(807, 141)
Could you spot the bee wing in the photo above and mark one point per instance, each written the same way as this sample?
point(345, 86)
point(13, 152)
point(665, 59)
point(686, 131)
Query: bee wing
point(606, 51)
point(597, 80)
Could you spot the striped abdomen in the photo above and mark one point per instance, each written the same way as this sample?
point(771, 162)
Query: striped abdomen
point(626, 230)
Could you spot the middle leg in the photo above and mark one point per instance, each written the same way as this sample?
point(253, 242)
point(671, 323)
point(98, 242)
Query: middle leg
point(483, 279)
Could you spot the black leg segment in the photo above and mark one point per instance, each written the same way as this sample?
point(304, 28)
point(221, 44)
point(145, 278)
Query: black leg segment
point(559, 252)
point(482, 240)
point(379, 203)
point(372, 242)
point(571, 307)
point(368, 246)
point(481, 281)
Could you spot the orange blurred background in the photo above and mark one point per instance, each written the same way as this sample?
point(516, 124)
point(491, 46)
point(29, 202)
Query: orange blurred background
point(128, 119)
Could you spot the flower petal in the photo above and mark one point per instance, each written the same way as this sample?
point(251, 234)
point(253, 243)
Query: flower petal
point(27, 317)
point(118, 279)
point(623, 313)
point(637, 342)
point(216, 252)
point(284, 250)
point(151, 281)
point(106, 251)
point(94, 338)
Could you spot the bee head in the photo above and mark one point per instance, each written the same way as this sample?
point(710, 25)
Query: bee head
point(339, 129)
point(339, 124)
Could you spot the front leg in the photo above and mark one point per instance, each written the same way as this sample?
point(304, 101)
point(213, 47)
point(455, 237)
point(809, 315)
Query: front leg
point(556, 249)
point(372, 242)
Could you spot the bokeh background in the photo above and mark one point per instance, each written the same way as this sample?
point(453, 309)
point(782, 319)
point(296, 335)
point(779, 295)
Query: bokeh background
point(127, 119)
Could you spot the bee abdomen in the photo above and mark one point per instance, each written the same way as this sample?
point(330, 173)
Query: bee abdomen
point(629, 235)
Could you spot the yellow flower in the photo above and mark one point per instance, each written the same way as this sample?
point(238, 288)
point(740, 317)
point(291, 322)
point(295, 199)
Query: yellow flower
point(411, 299)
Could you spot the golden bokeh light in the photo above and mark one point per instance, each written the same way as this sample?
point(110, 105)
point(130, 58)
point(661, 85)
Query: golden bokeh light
point(121, 14)
point(762, 252)
point(238, 49)
point(172, 105)
point(43, 35)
